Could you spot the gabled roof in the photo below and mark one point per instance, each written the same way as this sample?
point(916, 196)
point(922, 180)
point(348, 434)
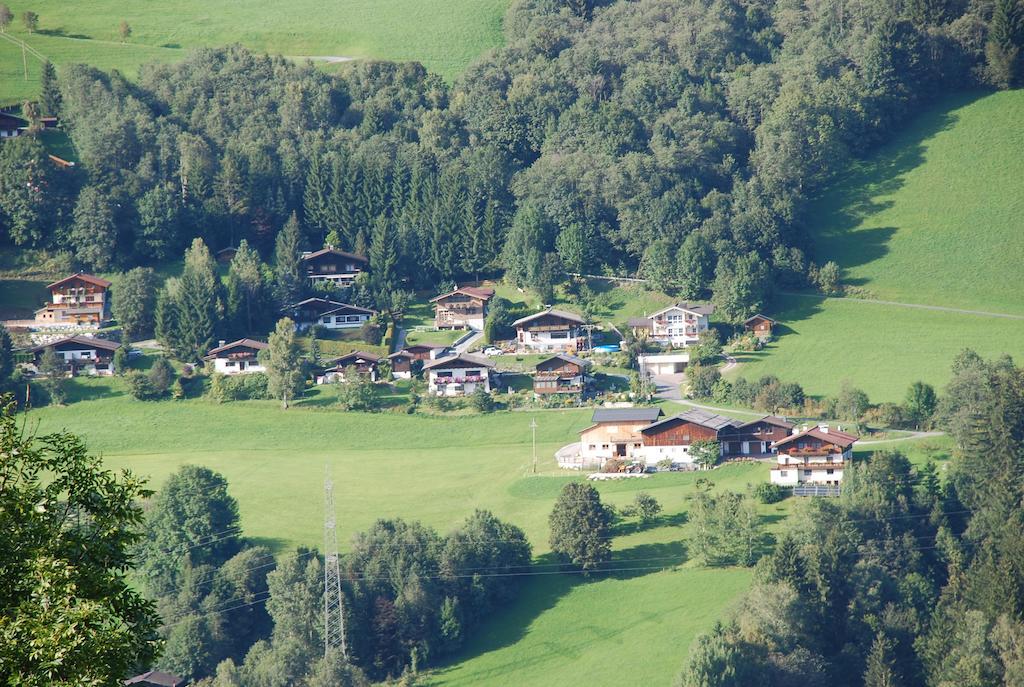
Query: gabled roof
point(88, 341)
point(346, 307)
point(758, 316)
point(696, 308)
point(639, 322)
point(771, 420)
point(353, 358)
point(469, 359)
point(626, 415)
point(474, 291)
point(697, 417)
point(422, 347)
point(833, 436)
point(571, 317)
point(333, 251)
point(88, 278)
point(241, 343)
point(9, 121)
point(155, 677)
point(565, 357)
point(322, 302)
point(402, 352)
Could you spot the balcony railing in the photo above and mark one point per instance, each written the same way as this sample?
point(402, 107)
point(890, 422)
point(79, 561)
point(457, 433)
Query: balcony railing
point(458, 380)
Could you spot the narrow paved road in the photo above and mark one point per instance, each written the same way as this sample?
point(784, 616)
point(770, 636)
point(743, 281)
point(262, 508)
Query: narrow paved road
point(940, 308)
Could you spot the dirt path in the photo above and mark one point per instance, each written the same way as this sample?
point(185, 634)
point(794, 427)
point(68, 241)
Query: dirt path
point(919, 306)
point(329, 59)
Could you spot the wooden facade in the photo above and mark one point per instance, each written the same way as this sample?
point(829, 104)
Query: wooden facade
point(465, 307)
point(81, 299)
point(678, 432)
point(560, 374)
point(331, 264)
point(760, 325)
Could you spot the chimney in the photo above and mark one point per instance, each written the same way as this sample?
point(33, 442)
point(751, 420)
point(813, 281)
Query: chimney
point(823, 428)
point(221, 343)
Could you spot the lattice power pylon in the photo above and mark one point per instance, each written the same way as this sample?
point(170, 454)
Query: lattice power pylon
point(334, 615)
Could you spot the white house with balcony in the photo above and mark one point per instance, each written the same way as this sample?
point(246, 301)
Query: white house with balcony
point(458, 375)
point(815, 456)
point(236, 358)
point(678, 325)
point(550, 330)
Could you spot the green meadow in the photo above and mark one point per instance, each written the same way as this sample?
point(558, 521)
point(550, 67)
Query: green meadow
point(934, 217)
point(652, 601)
point(445, 35)
point(882, 349)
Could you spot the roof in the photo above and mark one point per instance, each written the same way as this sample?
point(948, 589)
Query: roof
point(832, 436)
point(626, 415)
point(473, 360)
point(90, 341)
point(639, 322)
point(333, 251)
point(422, 347)
point(758, 316)
point(155, 677)
point(572, 317)
point(772, 420)
point(698, 308)
point(89, 278)
point(474, 291)
point(248, 343)
point(349, 308)
point(402, 352)
point(566, 358)
point(353, 357)
point(310, 301)
point(9, 121)
point(697, 417)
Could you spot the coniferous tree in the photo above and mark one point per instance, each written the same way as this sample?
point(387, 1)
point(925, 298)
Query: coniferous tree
point(316, 199)
point(199, 305)
point(283, 360)
point(249, 303)
point(134, 302)
point(383, 256)
point(49, 90)
point(1005, 36)
point(287, 263)
point(53, 370)
point(881, 670)
point(6, 357)
point(94, 233)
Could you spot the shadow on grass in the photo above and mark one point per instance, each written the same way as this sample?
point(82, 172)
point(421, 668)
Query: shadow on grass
point(277, 546)
point(61, 33)
point(542, 592)
point(867, 189)
point(623, 528)
point(91, 390)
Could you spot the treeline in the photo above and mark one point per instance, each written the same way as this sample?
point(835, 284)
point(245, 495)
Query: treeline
point(677, 139)
point(235, 614)
point(907, 579)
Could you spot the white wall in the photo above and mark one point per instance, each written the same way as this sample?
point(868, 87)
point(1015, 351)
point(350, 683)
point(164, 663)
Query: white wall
point(457, 374)
point(239, 367)
point(542, 341)
point(347, 321)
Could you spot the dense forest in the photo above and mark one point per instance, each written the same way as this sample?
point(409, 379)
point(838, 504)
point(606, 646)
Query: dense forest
point(677, 139)
point(910, 578)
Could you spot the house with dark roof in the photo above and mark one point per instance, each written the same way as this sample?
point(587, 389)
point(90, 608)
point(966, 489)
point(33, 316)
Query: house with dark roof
point(80, 299)
point(236, 358)
point(815, 456)
point(463, 308)
point(678, 325)
point(333, 265)
point(328, 314)
point(87, 355)
point(760, 325)
point(560, 374)
point(756, 438)
point(11, 126)
point(155, 678)
point(550, 330)
point(615, 433)
point(458, 375)
point(353, 363)
point(671, 438)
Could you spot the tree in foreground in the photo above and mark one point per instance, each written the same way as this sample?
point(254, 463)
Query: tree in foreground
point(283, 360)
point(67, 613)
point(580, 524)
point(51, 367)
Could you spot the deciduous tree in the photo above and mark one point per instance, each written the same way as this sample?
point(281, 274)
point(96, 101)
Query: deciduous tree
point(579, 525)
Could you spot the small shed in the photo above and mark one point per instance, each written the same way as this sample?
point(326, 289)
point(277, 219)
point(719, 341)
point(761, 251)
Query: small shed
point(760, 325)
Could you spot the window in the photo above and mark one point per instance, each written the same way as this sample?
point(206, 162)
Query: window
point(473, 373)
point(444, 373)
point(807, 473)
point(339, 320)
point(230, 363)
point(559, 335)
point(830, 471)
point(783, 473)
point(353, 318)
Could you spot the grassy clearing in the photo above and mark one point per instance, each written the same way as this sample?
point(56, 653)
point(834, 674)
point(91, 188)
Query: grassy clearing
point(609, 302)
point(445, 35)
point(19, 298)
point(934, 217)
point(881, 349)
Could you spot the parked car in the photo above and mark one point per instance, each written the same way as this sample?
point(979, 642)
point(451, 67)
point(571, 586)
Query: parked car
point(492, 350)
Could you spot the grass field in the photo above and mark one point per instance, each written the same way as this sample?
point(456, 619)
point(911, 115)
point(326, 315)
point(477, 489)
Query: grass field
point(881, 349)
point(445, 35)
point(935, 216)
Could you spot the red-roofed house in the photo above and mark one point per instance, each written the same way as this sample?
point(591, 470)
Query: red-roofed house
point(813, 456)
point(236, 358)
point(80, 299)
point(465, 307)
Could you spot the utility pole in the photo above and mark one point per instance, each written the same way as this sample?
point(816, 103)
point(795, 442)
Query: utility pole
point(334, 616)
point(533, 426)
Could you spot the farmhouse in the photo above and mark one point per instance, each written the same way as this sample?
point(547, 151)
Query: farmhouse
point(236, 358)
point(755, 439)
point(359, 362)
point(458, 375)
point(80, 299)
point(676, 325)
point(463, 308)
point(550, 330)
point(615, 433)
point(334, 266)
point(672, 437)
point(813, 457)
point(401, 364)
point(11, 126)
point(760, 325)
point(560, 374)
point(81, 354)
